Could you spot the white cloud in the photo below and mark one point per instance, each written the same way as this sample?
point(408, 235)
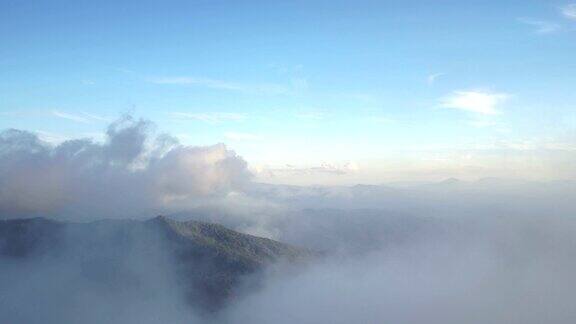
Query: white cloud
point(235, 136)
point(433, 77)
point(324, 168)
point(86, 178)
point(213, 118)
point(569, 11)
point(541, 27)
point(96, 117)
point(481, 102)
point(84, 118)
point(52, 138)
point(71, 117)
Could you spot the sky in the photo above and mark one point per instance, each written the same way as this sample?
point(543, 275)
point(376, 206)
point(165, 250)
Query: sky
point(308, 92)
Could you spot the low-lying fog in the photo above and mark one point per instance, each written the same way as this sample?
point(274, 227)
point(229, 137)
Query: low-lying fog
point(491, 251)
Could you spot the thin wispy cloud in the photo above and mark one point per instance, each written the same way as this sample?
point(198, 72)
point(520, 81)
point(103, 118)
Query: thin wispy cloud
point(541, 27)
point(84, 118)
point(480, 102)
point(213, 118)
point(58, 138)
point(71, 117)
point(262, 88)
point(96, 117)
point(433, 77)
point(569, 11)
point(342, 168)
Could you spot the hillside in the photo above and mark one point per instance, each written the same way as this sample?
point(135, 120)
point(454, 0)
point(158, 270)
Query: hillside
point(205, 262)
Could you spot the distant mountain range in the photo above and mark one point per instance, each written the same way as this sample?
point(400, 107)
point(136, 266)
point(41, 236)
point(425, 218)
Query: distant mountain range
point(206, 261)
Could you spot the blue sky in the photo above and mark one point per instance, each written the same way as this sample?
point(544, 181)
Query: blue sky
point(307, 91)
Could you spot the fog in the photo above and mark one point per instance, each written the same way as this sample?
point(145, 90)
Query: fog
point(509, 271)
point(107, 278)
point(490, 251)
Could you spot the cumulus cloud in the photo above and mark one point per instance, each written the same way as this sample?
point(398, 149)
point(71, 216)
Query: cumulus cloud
point(132, 171)
point(480, 102)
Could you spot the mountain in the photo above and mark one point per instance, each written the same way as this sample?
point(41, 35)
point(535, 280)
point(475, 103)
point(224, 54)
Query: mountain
point(206, 262)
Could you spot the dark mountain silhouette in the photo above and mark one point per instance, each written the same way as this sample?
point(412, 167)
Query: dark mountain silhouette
point(207, 261)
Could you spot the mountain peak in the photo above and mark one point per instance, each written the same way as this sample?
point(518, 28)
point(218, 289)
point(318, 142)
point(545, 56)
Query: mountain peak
point(209, 259)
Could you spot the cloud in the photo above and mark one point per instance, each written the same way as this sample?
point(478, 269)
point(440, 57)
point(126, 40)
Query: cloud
point(455, 251)
point(495, 275)
point(71, 117)
point(50, 137)
point(481, 102)
point(541, 27)
point(131, 172)
point(104, 281)
point(84, 118)
point(569, 11)
point(323, 168)
point(235, 136)
point(264, 88)
point(433, 77)
point(96, 117)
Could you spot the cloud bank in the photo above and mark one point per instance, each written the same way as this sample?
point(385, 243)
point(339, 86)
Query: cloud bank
point(132, 172)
